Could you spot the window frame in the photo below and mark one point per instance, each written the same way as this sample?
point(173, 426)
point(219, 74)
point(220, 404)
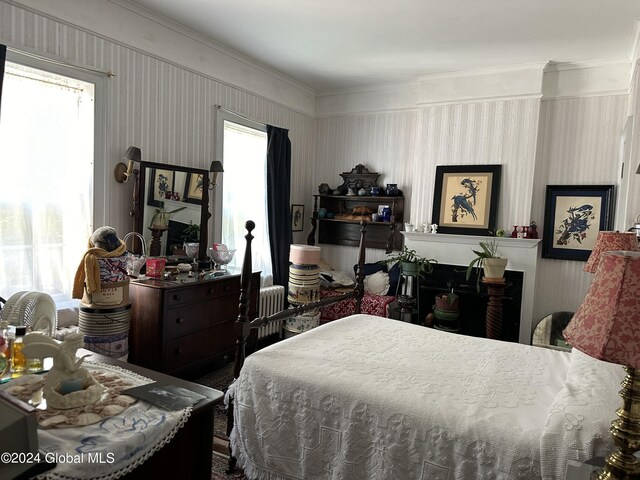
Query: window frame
point(100, 170)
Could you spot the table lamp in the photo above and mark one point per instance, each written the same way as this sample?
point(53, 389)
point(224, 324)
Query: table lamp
point(607, 241)
point(606, 326)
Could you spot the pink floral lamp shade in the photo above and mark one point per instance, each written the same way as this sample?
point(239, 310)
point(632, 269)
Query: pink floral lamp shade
point(607, 323)
point(608, 241)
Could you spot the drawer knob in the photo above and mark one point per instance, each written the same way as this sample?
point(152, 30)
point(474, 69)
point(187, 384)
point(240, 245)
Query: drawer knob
point(179, 320)
point(227, 288)
point(179, 351)
point(210, 291)
point(176, 298)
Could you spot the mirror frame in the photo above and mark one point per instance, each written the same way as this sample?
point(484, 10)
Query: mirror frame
point(139, 200)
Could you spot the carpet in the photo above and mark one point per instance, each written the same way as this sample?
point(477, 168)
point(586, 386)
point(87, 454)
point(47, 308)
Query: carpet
point(219, 468)
point(219, 379)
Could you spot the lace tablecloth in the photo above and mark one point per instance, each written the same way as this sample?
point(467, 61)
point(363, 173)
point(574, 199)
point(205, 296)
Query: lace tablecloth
point(114, 445)
point(369, 397)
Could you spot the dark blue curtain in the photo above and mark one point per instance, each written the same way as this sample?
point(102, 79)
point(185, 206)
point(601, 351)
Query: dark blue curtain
point(3, 56)
point(278, 201)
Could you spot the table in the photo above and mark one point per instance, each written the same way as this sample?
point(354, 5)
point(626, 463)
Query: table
point(188, 454)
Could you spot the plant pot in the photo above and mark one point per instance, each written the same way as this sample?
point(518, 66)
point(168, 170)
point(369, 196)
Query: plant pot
point(495, 267)
point(409, 269)
point(442, 303)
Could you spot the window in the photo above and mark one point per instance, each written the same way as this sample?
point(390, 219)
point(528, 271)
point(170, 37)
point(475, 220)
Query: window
point(244, 190)
point(46, 146)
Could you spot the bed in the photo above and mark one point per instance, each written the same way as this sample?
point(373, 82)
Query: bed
point(366, 397)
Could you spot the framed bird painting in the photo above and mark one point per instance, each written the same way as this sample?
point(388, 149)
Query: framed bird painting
point(573, 216)
point(465, 201)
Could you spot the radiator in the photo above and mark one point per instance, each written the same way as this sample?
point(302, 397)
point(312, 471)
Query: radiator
point(271, 301)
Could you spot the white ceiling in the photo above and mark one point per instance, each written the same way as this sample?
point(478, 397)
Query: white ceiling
point(334, 44)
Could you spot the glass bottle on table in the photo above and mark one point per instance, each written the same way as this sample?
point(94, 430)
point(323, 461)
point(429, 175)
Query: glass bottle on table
point(18, 360)
point(5, 348)
point(34, 365)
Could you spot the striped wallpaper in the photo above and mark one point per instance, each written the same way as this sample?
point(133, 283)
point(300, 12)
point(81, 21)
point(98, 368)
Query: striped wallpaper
point(169, 110)
point(166, 110)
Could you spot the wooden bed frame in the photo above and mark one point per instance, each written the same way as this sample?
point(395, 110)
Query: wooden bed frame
point(244, 325)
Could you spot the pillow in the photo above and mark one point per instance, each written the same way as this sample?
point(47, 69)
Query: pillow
point(335, 278)
point(377, 283)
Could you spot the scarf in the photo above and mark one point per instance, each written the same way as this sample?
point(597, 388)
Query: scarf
point(88, 272)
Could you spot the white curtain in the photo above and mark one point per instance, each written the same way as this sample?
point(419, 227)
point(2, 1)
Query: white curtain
point(244, 195)
point(46, 187)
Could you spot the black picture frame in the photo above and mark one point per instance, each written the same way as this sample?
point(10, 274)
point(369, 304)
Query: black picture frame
point(573, 216)
point(297, 218)
point(465, 199)
point(193, 187)
point(160, 182)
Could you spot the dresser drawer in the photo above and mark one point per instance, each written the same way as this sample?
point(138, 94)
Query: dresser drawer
point(195, 293)
point(229, 286)
point(198, 346)
point(190, 318)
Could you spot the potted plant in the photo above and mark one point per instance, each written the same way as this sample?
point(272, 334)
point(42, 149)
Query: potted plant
point(488, 259)
point(160, 219)
point(411, 264)
point(191, 233)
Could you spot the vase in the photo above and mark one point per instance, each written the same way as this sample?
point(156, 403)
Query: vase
point(409, 268)
point(392, 189)
point(494, 267)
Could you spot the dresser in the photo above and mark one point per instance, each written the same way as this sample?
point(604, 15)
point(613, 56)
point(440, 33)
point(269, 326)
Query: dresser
point(183, 326)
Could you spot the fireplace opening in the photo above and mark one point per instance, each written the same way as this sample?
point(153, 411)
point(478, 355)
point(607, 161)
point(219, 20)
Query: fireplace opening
point(472, 304)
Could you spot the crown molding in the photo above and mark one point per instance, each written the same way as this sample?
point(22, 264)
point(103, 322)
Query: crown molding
point(134, 27)
point(587, 79)
point(634, 49)
point(523, 67)
point(368, 99)
point(515, 81)
point(567, 66)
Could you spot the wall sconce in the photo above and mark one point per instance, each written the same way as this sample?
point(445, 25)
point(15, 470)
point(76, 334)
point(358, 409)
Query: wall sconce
point(122, 172)
point(215, 169)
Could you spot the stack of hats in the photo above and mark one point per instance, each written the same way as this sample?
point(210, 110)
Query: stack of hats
point(304, 286)
point(103, 286)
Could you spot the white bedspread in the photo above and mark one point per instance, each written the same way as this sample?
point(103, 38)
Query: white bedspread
point(371, 398)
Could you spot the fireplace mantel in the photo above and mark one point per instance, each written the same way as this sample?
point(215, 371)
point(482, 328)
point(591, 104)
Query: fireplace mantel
point(458, 250)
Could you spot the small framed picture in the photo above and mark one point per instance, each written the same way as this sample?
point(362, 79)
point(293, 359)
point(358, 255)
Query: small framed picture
point(297, 218)
point(381, 208)
point(573, 216)
point(160, 183)
point(193, 188)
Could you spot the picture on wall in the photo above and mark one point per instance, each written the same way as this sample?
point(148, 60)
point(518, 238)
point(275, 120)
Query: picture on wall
point(160, 184)
point(573, 216)
point(466, 198)
point(297, 218)
point(193, 188)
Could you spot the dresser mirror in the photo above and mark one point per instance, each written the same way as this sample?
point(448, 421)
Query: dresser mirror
point(174, 200)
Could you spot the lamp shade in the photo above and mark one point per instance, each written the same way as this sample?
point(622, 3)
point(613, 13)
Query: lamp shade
point(216, 166)
point(607, 323)
point(132, 153)
point(608, 241)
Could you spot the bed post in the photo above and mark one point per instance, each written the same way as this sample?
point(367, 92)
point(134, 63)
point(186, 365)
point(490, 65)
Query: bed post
point(242, 327)
point(360, 273)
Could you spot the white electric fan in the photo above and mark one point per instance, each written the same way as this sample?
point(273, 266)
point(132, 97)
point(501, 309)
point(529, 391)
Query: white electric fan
point(36, 310)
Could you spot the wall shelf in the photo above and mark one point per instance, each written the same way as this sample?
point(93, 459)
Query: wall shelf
point(346, 231)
